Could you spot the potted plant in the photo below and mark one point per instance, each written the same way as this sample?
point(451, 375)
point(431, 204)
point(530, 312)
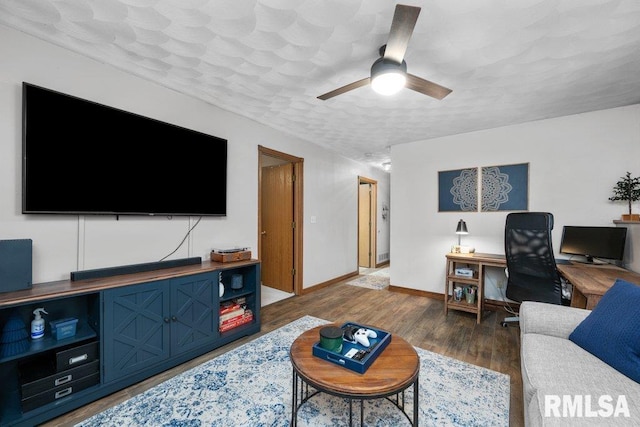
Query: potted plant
point(627, 190)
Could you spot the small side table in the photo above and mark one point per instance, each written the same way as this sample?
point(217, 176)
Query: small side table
point(395, 370)
point(477, 262)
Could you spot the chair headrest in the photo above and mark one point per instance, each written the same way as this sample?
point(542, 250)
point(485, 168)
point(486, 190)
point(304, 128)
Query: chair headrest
point(529, 220)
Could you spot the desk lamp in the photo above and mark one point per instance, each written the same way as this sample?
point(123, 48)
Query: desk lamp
point(461, 229)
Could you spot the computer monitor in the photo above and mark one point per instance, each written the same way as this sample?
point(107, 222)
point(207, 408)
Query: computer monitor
point(594, 242)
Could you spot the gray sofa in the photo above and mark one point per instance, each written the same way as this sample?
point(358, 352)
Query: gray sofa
point(553, 366)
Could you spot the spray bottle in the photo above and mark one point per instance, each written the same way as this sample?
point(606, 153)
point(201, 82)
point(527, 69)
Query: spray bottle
point(37, 325)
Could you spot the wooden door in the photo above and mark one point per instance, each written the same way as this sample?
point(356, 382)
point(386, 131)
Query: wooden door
point(277, 235)
point(366, 223)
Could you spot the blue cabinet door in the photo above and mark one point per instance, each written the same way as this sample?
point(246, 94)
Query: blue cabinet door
point(194, 305)
point(136, 328)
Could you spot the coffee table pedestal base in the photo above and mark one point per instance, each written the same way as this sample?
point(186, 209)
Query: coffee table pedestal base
point(302, 392)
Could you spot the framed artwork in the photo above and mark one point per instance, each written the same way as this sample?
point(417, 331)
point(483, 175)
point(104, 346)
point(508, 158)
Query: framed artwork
point(458, 190)
point(505, 188)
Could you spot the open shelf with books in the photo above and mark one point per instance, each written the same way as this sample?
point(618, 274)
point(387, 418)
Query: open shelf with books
point(234, 313)
point(240, 302)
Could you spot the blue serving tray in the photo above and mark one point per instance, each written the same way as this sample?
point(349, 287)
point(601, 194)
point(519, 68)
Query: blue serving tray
point(360, 366)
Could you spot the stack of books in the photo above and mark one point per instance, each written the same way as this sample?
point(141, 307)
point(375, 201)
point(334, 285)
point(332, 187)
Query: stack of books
point(234, 313)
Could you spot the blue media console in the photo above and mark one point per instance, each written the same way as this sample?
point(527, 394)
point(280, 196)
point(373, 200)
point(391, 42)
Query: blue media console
point(171, 314)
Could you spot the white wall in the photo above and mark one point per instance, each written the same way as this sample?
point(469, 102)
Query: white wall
point(68, 243)
point(574, 162)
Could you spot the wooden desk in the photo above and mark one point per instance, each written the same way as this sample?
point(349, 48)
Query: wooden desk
point(478, 262)
point(591, 281)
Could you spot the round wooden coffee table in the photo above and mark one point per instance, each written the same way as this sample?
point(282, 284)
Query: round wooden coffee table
point(395, 370)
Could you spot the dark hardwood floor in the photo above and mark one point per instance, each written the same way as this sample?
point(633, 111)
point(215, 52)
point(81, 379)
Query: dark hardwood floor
point(419, 320)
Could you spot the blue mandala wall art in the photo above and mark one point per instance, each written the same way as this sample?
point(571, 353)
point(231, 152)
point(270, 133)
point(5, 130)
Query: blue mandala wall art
point(505, 188)
point(458, 190)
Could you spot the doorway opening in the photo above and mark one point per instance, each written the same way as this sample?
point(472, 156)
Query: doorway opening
point(280, 180)
point(367, 227)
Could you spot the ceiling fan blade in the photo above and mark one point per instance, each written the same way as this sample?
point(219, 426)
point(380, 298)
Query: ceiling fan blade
point(346, 88)
point(404, 21)
point(426, 87)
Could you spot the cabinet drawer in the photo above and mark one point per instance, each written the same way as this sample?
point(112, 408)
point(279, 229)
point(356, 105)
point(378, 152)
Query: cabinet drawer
point(76, 356)
point(60, 392)
point(36, 381)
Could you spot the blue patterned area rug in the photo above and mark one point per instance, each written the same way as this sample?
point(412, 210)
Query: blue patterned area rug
point(251, 386)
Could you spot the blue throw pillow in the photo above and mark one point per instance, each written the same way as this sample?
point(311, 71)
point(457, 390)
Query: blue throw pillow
point(611, 331)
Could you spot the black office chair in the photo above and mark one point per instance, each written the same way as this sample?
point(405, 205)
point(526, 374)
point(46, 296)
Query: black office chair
point(531, 266)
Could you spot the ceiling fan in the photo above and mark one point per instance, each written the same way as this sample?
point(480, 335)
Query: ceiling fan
point(389, 72)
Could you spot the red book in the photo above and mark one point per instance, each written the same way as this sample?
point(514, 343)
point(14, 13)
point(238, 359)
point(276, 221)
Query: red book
point(233, 319)
point(226, 308)
point(247, 318)
point(230, 326)
point(232, 314)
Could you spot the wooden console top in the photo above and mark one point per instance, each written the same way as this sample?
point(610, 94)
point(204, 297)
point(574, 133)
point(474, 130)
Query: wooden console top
point(65, 288)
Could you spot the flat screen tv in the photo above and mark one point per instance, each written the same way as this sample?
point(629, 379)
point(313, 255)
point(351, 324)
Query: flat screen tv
point(82, 158)
point(594, 242)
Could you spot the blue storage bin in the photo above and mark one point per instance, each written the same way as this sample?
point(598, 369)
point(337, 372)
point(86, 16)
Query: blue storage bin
point(63, 328)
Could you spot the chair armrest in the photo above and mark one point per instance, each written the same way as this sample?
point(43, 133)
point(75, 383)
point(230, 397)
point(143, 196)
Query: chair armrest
point(550, 319)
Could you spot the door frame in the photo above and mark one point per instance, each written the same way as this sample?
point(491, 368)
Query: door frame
point(298, 217)
point(373, 231)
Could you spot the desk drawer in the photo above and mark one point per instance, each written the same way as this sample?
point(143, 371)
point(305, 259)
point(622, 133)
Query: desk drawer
point(76, 356)
point(34, 383)
point(60, 392)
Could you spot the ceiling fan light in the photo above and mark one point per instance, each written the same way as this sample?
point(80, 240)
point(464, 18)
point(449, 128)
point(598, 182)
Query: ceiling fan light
point(388, 83)
point(388, 77)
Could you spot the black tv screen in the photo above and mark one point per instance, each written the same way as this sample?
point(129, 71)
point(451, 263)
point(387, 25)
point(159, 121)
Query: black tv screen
point(594, 242)
point(81, 157)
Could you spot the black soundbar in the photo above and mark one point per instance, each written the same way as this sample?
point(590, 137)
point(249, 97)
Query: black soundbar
point(133, 268)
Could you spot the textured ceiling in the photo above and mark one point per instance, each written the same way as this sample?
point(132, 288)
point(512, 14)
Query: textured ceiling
point(506, 61)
